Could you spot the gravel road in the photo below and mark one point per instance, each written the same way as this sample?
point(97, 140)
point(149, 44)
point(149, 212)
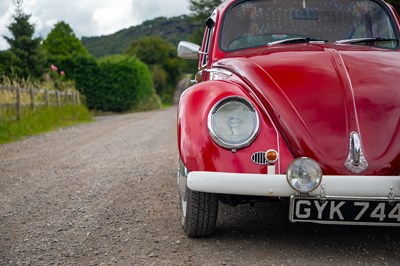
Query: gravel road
point(105, 194)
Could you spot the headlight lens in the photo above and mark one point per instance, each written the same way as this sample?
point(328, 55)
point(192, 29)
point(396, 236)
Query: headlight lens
point(304, 175)
point(233, 123)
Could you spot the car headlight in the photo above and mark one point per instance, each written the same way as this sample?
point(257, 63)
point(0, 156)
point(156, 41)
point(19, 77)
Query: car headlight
point(304, 175)
point(233, 122)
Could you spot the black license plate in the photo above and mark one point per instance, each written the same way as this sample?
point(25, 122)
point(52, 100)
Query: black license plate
point(345, 211)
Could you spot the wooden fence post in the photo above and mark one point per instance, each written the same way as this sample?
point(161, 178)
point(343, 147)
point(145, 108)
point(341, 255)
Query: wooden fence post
point(78, 98)
point(66, 97)
point(18, 102)
point(32, 94)
point(58, 98)
point(1, 118)
point(74, 98)
point(0, 114)
point(47, 97)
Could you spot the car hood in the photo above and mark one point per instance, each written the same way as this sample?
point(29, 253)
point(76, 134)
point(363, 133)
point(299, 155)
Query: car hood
point(318, 95)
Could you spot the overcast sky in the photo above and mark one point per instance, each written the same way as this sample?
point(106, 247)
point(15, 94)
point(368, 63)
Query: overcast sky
point(89, 17)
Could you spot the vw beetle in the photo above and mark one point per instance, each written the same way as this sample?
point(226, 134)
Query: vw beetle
point(297, 100)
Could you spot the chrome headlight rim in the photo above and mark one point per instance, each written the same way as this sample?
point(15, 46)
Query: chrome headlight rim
point(317, 181)
point(214, 135)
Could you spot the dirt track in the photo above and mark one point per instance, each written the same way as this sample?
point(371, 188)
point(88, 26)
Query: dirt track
point(105, 194)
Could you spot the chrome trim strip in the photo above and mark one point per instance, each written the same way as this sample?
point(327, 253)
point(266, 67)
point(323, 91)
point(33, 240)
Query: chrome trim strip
point(355, 148)
point(220, 71)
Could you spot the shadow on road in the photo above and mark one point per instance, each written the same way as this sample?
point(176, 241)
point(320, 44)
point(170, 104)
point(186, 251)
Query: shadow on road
point(266, 226)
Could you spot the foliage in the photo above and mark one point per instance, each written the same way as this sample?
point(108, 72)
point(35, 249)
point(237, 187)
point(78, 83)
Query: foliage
point(202, 9)
point(171, 30)
point(66, 56)
point(3, 62)
point(164, 63)
point(81, 69)
point(61, 41)
point(122, 83)
point(56, 78)
point(395, 4)
point(115, 83)
point(21, 83)
point(24, 58)
point(43, 120)
point(160, 78)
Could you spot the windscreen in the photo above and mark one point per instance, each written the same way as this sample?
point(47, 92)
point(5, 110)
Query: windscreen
point(260, 22)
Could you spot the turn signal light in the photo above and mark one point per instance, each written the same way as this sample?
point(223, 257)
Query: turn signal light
point(271, 156)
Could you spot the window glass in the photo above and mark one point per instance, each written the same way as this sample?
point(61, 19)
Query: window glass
point(206, 47)
point(257, 22)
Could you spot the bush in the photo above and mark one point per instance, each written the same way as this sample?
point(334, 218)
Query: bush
point(160, 79)
point(82, 69)
point(115, 83)
point(122, 84)
point(163, 61)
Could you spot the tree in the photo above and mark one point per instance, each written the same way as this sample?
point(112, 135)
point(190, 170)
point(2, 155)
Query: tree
point(164, 64)
point(24, 57)
point(65, 50)
point(202, 8)
point(395, 4)
point(61, 41)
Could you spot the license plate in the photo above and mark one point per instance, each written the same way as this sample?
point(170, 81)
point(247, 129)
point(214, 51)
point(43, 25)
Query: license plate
point(345, 211)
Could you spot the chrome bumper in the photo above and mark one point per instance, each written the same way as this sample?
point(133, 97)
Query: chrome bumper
point(277, 186)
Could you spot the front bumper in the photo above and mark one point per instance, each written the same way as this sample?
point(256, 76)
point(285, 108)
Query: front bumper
point(277, 186)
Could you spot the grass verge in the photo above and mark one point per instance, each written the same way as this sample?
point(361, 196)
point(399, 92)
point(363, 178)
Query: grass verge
point(44, 120)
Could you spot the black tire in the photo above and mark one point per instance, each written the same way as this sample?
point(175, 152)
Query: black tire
point(199, 217)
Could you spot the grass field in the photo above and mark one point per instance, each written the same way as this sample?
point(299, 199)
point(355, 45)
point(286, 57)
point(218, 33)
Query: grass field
point(43, 120)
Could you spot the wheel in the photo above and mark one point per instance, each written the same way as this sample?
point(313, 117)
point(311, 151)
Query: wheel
point(199, 210)
point(199, 213)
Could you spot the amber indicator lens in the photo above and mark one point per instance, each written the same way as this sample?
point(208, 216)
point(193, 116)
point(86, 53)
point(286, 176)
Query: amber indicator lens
point(271, 156)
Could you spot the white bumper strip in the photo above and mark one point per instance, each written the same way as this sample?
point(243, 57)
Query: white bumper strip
point(277, 186)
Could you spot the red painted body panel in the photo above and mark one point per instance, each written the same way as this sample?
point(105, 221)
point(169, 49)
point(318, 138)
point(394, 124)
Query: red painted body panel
point(310, 97)
point(197, 149)
point(316, 106)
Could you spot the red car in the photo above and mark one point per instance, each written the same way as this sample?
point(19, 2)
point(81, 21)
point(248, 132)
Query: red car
point(294, 100)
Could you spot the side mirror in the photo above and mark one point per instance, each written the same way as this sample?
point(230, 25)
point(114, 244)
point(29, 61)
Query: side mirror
point(188, 50)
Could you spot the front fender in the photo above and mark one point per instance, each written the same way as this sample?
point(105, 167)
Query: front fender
point(197, 149)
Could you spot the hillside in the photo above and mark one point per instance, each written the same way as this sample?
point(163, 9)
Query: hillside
point(172, 29)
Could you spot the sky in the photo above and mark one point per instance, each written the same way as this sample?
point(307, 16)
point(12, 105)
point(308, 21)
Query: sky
point(89, 17)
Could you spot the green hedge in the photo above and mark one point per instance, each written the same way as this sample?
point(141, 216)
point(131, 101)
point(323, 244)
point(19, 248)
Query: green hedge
point(116, 83)
point(122, 84)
